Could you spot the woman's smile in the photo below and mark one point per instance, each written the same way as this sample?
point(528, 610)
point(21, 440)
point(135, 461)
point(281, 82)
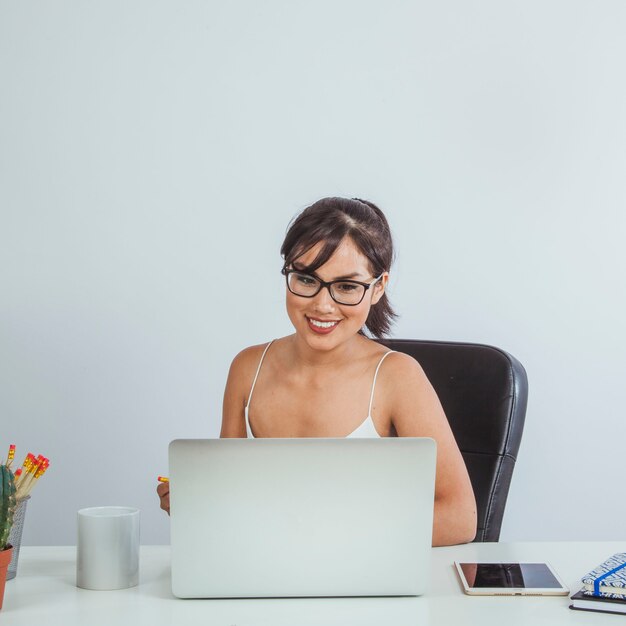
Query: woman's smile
point(321, 327)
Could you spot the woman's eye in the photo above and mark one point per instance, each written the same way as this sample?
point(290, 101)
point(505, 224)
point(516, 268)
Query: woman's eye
point(305, 280)
point(346, 287)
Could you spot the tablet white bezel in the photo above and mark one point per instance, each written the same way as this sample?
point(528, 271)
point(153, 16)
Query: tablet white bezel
point(511, 591)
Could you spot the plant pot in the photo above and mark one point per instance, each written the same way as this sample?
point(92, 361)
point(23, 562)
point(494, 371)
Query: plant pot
point(5, 559)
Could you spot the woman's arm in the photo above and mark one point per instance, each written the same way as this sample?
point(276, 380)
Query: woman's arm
point(417, 412)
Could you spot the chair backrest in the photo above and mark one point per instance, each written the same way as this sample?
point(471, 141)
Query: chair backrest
point(484, 392)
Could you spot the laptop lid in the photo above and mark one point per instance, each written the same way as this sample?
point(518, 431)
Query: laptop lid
point(301, 517)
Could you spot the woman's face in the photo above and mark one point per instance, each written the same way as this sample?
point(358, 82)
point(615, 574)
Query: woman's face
point(320, 321)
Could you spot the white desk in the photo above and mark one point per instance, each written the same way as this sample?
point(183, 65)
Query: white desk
point(44, 593)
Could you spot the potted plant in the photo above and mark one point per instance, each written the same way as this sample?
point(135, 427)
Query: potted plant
point(7, 509)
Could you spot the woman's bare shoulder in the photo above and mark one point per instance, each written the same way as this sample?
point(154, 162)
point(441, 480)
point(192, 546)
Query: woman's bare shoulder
point(247, 361)
point(248, 357)
point(238, 385)
point(401, 363)
point(411, 400)
point(403, 375)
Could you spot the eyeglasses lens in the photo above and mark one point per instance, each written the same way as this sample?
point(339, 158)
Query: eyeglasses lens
point(343, 292)
point(303, 284)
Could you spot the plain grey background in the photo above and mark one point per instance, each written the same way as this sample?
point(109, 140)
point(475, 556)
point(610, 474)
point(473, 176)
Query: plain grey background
point(152, 154)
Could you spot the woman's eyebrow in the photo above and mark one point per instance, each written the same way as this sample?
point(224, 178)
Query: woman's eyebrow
point(301, 268)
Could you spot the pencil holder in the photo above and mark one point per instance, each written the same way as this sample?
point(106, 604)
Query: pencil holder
point(15, 536)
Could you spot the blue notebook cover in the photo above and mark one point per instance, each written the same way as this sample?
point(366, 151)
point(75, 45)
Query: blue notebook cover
point(608, 579)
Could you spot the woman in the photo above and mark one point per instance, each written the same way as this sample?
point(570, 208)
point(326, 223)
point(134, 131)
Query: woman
point(328, 376)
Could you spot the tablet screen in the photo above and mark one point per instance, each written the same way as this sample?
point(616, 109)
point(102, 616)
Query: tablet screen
point(509, 576)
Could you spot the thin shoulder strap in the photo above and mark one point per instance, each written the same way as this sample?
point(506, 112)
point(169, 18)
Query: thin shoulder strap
point(258, 369)
point(369, 412)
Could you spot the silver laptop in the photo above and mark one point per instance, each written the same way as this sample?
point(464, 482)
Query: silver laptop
point(301, 517)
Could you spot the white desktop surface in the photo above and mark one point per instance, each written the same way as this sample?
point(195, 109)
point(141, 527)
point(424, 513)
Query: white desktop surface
point(44, 592)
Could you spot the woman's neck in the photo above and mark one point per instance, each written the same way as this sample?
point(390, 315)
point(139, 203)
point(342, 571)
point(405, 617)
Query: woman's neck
point(306, 356)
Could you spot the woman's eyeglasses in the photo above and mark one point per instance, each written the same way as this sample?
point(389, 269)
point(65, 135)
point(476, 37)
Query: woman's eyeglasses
point(347, 292)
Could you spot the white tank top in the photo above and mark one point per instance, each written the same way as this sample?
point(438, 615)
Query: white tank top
point(366, 429)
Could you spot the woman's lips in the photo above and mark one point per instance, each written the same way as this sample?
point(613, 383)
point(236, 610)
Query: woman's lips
point(322, 327)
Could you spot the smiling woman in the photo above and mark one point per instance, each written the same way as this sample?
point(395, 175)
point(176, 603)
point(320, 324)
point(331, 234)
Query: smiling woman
point(329, 379)
point(324, 227)
point(340, 306)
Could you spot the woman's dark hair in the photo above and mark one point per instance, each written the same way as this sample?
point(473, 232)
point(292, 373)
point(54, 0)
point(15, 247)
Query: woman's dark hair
point(331, 220)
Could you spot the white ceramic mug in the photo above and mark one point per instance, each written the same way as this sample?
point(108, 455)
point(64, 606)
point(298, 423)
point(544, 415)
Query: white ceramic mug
point(108, 548)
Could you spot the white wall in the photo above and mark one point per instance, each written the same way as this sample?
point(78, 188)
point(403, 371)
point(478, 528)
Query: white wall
point(152, 151)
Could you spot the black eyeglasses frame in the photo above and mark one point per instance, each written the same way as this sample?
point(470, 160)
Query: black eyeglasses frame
point(323, 283)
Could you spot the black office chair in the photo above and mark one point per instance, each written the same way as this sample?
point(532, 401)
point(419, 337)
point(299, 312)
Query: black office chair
point(484, 392)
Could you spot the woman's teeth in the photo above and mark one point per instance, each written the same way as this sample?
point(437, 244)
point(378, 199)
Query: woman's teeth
point(322, 324)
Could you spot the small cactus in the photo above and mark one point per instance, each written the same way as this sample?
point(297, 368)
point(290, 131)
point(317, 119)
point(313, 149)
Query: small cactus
point(7, 504)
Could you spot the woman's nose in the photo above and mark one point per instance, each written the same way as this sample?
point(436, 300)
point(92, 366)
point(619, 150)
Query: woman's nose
point(323, 300)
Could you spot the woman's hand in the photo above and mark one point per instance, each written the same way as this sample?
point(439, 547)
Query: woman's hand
point(164, 494)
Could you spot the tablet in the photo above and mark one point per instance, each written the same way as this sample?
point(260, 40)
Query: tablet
point(510, 579)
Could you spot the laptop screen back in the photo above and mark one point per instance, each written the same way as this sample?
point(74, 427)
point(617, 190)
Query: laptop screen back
point(301, 517)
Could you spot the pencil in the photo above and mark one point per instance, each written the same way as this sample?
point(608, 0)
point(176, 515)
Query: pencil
point(28, 463)
point(163, 479)
point(34, 468)
point(41, 469)
point(31, 465)
point(11, 455)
